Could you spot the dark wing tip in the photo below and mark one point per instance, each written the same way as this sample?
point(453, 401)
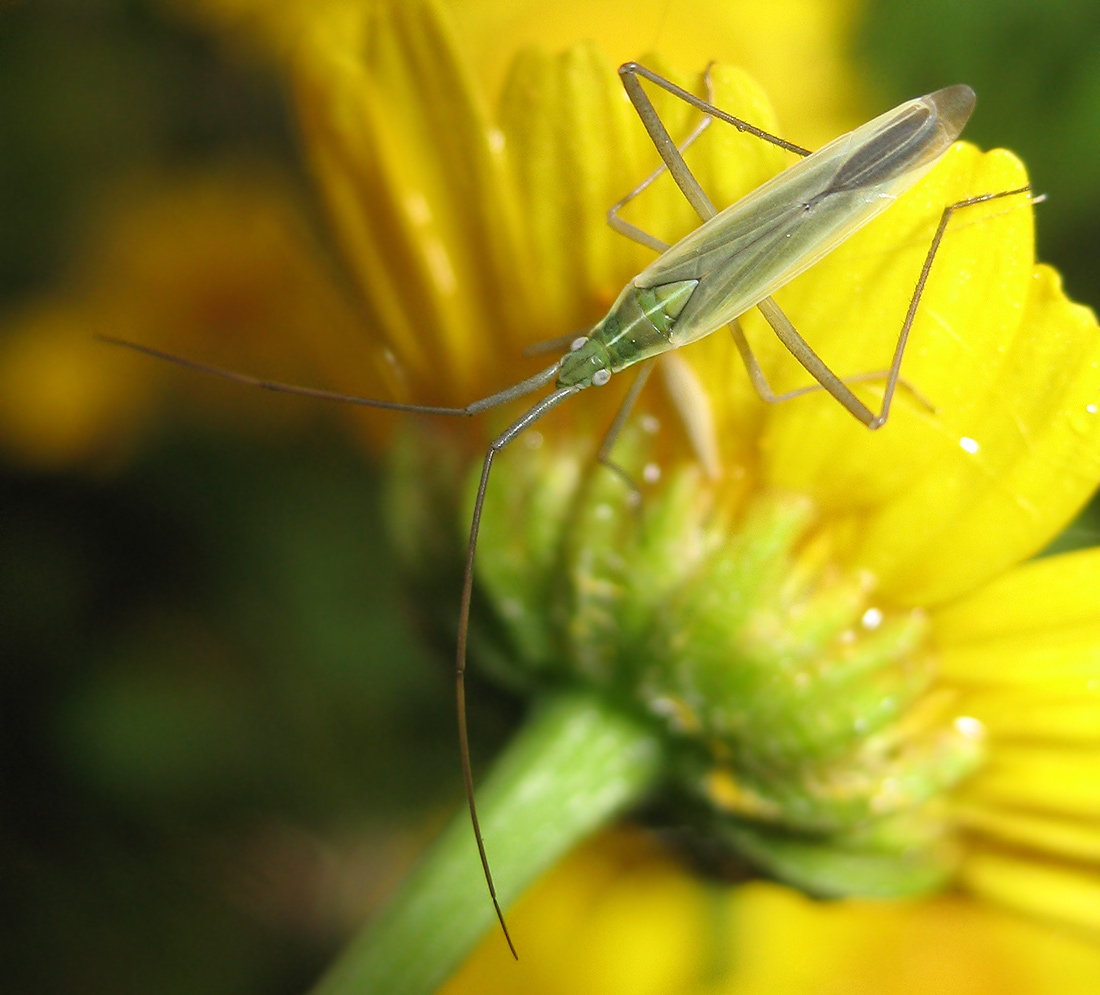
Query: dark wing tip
point(954, 105)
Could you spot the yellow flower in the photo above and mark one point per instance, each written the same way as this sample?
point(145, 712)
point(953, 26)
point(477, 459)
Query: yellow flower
point(474, 233)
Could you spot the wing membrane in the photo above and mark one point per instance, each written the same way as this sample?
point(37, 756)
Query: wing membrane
point(767, 238)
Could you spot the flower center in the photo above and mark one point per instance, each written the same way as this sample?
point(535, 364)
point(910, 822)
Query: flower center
point(791, 700)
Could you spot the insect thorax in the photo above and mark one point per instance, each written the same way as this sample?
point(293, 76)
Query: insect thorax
point(639, 325)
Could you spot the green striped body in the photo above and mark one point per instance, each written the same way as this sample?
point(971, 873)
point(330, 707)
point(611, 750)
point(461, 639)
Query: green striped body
point(639, 325)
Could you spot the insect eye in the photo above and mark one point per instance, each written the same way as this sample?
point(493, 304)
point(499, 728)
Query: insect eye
point(578, 343)
point(600, 377)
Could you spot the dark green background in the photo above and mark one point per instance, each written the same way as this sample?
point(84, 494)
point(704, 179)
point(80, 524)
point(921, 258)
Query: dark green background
point(207, 645)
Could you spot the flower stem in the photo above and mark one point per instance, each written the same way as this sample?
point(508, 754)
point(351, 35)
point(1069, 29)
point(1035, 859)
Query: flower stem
point(576, 764)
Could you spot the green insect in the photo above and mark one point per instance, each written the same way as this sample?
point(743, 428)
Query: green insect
point(733, 262)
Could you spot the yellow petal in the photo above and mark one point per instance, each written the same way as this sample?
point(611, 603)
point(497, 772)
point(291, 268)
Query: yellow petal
point(1064, 895)
point(616, 917)
point(610, 919)
point(1039, 461)
point(1035, 631)
point(1074, 840)
point(1010, 365)
point(417, 188)
point(795, 49)
point(1044, 779)
point(1026, 648)
point(1056, 592)
point(787, 943)
point(1043, 710)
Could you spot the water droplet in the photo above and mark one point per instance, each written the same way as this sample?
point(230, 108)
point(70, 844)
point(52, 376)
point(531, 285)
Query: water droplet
point(651, 473)
point(872, 618)
point(969, 727)
point(532, 439)
point(969, 445)
point(604, 512)
point(650, 425)
point(1091, 408)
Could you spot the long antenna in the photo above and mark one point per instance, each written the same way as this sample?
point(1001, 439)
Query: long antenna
point(542, 379)
point(516, 428)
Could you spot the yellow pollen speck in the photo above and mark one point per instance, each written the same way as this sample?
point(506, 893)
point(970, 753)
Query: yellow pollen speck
point(725, 793)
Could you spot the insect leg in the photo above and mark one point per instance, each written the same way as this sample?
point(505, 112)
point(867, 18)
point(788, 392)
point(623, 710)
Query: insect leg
point(658, 133)
point(633, 232)
point(813, 363)
point(696, 420)
point(603, 455)
point(510, 433)
point(922, 280)
point(765, 393)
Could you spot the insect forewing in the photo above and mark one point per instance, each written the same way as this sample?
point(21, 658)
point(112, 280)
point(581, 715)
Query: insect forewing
point(767, 238)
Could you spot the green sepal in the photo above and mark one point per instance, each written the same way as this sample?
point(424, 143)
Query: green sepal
point(843, 868)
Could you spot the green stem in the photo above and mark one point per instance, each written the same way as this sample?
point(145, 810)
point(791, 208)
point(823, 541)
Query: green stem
point(576, 764)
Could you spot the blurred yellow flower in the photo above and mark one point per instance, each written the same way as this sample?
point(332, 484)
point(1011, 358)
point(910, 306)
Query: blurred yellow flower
point(221, 264)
